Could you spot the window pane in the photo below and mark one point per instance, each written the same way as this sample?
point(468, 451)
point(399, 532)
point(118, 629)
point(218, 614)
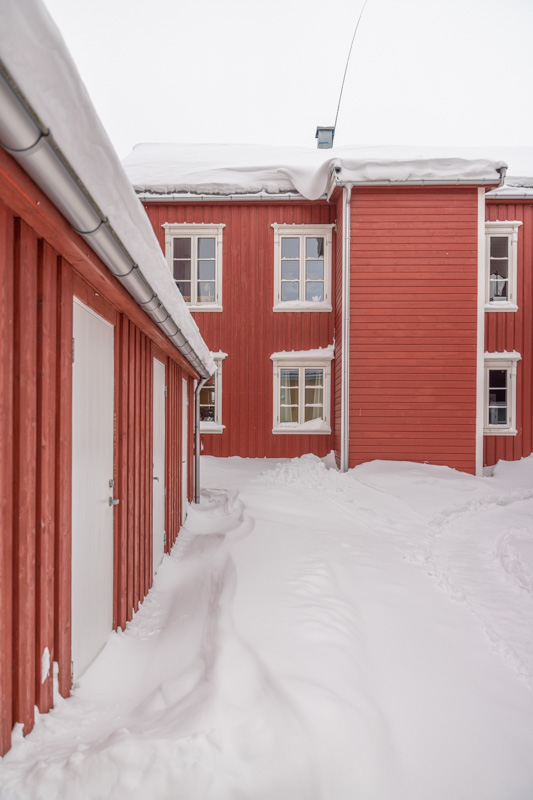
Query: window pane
point(207, 413)
point(498, 416)
point(313, 412)
point(497, 378)
point(206, 247)
point(182, 248)
point(290, 247)
point(289, 291)
point(290, 270)
point(314, 270)
point(288, 414)
point(314, 377)
point(289, 377)
point(206, 292)
point(499, 269)
point(185, 289)
point(314, 247)
point(499, 247)
point(498, 397)
point(207, 395)
point(314, 291)
point(206, 270)
point(314, 396)
point(182, 270)
point(289, 397)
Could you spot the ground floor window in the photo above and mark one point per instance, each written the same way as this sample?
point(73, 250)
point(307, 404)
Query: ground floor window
point(500, 393)
point(210, 400)
point(301, 399)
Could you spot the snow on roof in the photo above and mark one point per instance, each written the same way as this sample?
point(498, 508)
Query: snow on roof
point(35, 54)
point(237, 169)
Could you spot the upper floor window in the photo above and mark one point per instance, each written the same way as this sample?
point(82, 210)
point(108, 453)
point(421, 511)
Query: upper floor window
point(302, 267)
point(501, 269)
point(302, 391)
point(500, 393)
point(210, 400)
point(194, 257)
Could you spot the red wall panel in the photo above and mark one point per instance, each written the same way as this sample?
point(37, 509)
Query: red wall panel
point(413, 300)
point(247, 329)
point(36, 298)
point(508, 331)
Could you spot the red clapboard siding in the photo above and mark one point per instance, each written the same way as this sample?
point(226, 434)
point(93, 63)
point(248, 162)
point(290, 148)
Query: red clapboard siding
point(413, 342)
point(514, 331)
point(24, 473)
point(44, 264)
point(6, 473)
point(247, 329)
point(46, 437)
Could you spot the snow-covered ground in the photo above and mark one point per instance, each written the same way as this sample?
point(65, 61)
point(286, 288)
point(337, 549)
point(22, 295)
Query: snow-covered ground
point(315, 636)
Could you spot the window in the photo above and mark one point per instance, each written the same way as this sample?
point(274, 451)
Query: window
point(302, 391)
point(501, 270)
point(194, 257)
point(210, 400)
point(302, 267)
point(500, 393)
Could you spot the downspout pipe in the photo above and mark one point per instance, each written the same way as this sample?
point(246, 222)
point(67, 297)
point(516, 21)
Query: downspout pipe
point(28, 141)
point(345, 357)
point(199, 387)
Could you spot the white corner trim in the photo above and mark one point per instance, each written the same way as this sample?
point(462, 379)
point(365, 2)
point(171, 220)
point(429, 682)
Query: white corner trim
point(481, 294)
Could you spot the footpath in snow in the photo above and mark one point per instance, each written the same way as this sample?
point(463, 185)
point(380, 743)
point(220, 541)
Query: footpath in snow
point(314, 636)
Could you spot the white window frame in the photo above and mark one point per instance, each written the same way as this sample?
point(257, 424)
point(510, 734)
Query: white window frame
point(176, 230)
point(312, 359)
point(507, 362)
point(507, 229)
point(216, 426)
point(302, 231)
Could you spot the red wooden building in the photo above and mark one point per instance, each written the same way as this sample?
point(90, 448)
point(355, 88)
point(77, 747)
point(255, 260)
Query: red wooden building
point(98, 361)
point(354, 302)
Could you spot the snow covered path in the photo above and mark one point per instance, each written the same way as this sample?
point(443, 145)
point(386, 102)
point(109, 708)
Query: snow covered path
point(315, 636)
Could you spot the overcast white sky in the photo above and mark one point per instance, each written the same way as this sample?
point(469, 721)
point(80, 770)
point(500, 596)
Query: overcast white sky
point(454, 72)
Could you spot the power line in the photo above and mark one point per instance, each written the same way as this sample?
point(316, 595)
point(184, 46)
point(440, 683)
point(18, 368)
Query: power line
point(348, 61)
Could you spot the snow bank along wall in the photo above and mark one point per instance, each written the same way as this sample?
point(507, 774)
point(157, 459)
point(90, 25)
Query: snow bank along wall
point(44, 267)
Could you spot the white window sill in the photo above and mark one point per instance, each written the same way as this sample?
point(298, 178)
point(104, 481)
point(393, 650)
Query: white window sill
point(204, 307)
point(501, 307)
point(302, 430)
point(497, 432)
point(302, 305)
point(211, 427)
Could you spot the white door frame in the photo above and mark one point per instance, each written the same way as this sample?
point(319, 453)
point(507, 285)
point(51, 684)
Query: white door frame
point(92, 485)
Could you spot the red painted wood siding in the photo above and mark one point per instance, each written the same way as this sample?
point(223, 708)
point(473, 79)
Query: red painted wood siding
point(514, 331)
point(413, 325)
point(43, 265)
point(247, 329)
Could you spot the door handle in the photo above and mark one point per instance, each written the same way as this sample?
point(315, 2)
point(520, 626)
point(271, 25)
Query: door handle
point(113, 502)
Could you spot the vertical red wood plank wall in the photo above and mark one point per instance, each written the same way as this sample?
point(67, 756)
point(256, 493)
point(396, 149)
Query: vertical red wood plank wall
point(247, 329)
point(6, 474)
point(413, 334)
point(508, 331)
point(36, 299)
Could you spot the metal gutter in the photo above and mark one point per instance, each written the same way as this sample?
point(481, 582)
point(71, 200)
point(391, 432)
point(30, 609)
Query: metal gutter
point(151, 197)
point(28, 141)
